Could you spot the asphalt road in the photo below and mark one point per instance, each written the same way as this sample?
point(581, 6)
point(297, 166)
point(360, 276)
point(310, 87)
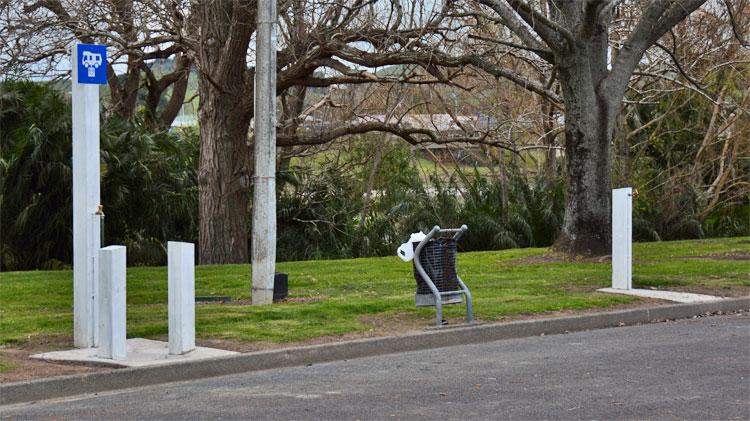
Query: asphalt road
point(690, 369)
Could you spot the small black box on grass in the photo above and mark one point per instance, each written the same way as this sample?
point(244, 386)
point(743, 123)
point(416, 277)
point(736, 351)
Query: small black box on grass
point(280, 286)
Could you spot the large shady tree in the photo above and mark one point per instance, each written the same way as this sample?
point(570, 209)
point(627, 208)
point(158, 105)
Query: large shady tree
point(576, 46)
point(214, 38)
point(593, 73)
point(320, 45)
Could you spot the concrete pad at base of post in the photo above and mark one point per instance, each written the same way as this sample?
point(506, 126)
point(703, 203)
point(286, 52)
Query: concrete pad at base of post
point(112, 329)
point(678, 297)
point(622, 255)
point(141, 353)
point(181, 268)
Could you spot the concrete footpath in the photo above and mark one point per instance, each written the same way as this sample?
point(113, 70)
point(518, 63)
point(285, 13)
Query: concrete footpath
point(63, 386)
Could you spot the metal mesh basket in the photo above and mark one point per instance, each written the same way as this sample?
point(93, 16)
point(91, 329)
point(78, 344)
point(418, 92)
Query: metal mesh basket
point(438, 258)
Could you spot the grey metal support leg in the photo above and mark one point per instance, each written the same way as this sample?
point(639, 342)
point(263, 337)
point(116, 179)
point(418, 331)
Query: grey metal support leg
point(467, 297)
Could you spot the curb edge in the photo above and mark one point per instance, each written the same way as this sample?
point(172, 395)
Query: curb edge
point(79, 384)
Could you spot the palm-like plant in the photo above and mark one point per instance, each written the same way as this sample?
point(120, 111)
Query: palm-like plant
point(35, 174)
point(148, 182)
point(149, 188)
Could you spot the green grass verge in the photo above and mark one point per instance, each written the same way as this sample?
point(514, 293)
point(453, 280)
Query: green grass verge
point(342, 293)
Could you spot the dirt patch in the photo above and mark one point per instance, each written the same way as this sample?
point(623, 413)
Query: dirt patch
point(727, 291)
point(533, 260)
point(378, 326)
point(301, 300)
point(556, 258)
point(642, 302)
point(250, 302)
point(738, 256)
point(561, 258)
point(26, 368)
point(38, 344)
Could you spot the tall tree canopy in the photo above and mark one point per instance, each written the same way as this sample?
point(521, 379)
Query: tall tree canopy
point(579, 56)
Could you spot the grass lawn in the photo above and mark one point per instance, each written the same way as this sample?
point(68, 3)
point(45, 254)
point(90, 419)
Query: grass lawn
point(337, 297)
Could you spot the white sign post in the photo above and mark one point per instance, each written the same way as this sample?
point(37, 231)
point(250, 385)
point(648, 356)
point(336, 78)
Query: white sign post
point(622, 238)
point(181, 296)
point(622, 255)
point(89, 71)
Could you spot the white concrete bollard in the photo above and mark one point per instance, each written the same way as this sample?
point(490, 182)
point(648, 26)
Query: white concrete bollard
point(181, 263)
point(112, 331)
point(622, 238)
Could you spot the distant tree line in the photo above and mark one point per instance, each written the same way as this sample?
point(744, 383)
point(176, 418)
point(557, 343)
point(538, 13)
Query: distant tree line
point(359, 197)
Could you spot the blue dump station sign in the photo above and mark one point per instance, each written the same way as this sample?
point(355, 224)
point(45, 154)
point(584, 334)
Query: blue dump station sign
point(92, 64)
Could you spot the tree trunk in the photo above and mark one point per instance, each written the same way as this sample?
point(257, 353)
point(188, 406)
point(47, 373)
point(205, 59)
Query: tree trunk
point(366, 200)
point(589, 117)
point(225, 88)
point(177, 98)
point(503, 181)
point(223, 179)
point(623, 153)
point(163, 118)
point(124, 89)
point(586, 226)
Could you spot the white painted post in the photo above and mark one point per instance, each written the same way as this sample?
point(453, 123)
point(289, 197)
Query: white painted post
point(86, 202)
point(112, 330)
point(181, 267)
point(264, 181)
point(622, 238)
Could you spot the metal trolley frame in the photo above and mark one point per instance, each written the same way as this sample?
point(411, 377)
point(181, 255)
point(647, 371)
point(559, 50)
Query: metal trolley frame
point(441, 297)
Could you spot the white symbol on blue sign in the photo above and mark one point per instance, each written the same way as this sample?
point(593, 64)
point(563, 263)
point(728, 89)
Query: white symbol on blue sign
point(92, 60)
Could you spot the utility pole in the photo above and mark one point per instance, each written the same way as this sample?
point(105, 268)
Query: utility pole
point(264, 181)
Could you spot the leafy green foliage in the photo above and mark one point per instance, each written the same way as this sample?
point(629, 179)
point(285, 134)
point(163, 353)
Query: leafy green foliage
point(321, 212)
point(35, 177)
point(149, 188)
point(672, 166)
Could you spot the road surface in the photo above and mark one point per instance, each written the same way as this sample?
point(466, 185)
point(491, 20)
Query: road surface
point(690, 369)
